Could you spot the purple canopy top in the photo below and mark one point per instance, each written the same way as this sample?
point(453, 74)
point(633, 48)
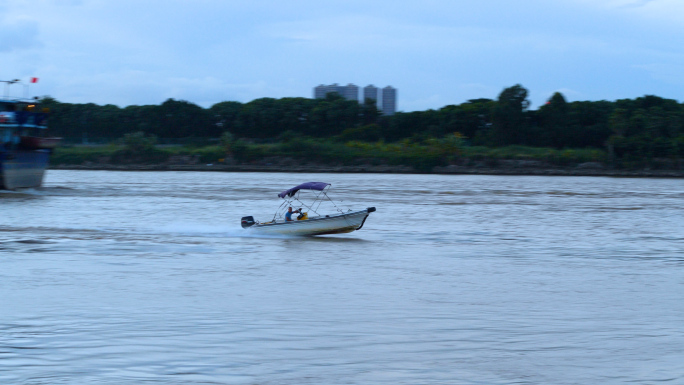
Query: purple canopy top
point(320, 186)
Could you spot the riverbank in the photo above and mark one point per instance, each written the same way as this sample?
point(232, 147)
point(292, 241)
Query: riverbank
point(357, 157)
point(507, 169)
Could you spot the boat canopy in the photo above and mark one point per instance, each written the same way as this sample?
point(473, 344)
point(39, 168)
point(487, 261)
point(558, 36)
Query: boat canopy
point(319, 186)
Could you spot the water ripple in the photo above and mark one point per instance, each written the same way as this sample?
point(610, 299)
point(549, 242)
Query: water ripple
point(147, 278)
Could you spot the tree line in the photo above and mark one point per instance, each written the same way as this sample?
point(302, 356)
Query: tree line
point(648, 126)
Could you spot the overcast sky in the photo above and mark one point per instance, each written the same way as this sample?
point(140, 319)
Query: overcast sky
point(435, 52)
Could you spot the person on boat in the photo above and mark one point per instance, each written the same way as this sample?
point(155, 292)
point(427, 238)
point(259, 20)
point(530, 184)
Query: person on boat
point(288, 214)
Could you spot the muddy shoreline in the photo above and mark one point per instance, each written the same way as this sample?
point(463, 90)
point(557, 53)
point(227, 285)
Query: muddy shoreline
point(578, 170)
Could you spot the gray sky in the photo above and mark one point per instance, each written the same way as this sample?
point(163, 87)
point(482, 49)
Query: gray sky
point(436, 52)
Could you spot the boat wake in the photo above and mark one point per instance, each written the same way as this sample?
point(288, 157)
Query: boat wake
point(192, 230)
point(203, 229)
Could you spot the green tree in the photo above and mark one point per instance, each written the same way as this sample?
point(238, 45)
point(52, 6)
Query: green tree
point(225, 115)
point(620, 121)
point(508, 116)
point(139, 142)
point(554, 120)
point(467, 118)
point(370, 112)
point(589, 124)
point(367, 133)
point(181, 119)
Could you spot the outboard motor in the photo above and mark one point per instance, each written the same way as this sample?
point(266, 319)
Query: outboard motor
point(247, 222)
point(371, 210)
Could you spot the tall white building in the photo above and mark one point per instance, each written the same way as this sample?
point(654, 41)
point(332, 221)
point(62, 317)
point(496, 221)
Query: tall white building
point(389, 100)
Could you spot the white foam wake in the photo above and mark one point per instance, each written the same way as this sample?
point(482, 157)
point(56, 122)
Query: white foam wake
point(203, 229)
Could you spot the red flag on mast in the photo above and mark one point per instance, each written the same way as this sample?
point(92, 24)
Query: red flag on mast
point(34, 80)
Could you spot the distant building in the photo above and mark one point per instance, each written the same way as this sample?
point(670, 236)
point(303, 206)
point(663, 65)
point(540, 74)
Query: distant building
point(370, 92)
point(389, 100)
point(320, 92)
point(349, 92)
point(386, 96)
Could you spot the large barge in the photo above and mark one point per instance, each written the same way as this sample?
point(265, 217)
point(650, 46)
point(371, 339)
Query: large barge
point(24, 146)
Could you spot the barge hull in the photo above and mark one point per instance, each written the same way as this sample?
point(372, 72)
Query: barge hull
point(23, 169)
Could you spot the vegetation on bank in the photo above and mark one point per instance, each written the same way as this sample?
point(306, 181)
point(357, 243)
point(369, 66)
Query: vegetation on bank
point(422, 156)
point(643, 132)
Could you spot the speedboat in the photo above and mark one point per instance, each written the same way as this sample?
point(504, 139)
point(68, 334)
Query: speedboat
point(309, 221)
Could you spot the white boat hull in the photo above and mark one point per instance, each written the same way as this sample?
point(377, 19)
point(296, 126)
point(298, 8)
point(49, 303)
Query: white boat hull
point(332, 224)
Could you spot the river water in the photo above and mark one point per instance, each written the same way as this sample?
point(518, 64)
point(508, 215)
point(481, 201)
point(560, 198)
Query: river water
point(148, 278)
